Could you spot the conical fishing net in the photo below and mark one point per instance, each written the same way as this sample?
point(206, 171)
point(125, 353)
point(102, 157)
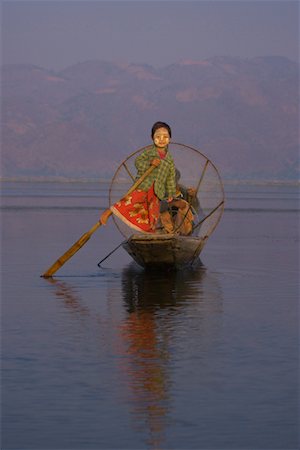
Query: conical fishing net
point(196, 171)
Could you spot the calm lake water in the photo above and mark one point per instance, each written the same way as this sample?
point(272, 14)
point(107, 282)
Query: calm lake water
point(119, 358)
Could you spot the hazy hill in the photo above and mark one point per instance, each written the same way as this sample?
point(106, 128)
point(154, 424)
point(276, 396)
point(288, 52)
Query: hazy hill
point(81, 122)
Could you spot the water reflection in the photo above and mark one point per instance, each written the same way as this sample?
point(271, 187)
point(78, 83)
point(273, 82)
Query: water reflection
point(154, 289)
point(155, 302)
point(154, 319)
point(72, 301)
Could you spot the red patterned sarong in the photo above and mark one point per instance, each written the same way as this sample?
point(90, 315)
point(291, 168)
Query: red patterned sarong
point(139, 210)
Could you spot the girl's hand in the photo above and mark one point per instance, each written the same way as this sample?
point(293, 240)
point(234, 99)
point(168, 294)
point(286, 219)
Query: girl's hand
point(155, 162)
point(170, 199)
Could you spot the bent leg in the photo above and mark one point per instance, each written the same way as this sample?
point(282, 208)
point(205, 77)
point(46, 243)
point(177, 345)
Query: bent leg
point(167, 222)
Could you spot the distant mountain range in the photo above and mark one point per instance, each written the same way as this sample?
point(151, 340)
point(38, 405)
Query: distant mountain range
point(243, 114)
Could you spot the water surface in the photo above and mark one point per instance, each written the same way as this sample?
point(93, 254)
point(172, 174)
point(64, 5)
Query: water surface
point(120, 358)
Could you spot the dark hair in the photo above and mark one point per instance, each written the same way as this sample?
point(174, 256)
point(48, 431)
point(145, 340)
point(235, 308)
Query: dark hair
point(158, 125)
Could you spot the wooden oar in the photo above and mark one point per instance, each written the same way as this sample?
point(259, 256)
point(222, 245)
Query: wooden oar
point(86, 236)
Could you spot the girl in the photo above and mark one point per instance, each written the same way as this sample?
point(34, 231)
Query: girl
point(140, 209)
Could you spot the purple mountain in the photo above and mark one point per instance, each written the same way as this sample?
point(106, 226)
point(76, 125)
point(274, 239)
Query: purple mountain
point(243, 114)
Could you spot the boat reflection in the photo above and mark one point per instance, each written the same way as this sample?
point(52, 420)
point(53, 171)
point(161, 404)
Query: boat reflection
point(154, 302)
point(155, 289)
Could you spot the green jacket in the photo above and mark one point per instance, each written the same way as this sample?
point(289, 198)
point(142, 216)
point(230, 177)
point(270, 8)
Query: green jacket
point(163, 176)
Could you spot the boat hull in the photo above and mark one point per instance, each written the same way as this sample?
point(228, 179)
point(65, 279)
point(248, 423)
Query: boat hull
point(165, 250)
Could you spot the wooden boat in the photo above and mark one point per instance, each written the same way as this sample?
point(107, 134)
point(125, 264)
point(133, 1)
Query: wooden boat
point(174, 250)
point(164, 250)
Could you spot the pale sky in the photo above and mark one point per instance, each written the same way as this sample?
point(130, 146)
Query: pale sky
point(55, 34)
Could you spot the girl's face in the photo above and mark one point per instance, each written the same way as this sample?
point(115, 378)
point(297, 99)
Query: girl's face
point(161, 138)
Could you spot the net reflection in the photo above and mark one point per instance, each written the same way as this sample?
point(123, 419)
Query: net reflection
point(154, 302)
